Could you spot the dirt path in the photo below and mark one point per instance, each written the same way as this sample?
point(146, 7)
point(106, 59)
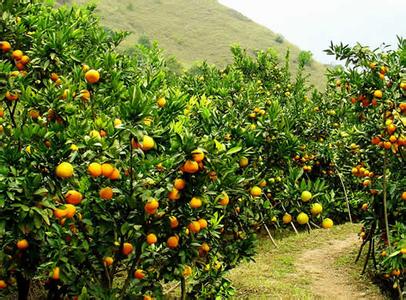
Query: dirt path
point(327, 280)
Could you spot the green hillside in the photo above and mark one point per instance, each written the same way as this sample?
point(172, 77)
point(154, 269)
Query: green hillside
point(194, 30)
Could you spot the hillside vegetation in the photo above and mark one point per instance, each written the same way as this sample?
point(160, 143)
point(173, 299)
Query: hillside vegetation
point(195, 30)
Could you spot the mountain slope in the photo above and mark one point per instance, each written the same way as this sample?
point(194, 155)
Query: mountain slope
point(194, 30)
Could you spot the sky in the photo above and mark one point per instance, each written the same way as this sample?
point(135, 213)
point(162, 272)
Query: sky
point(313, 24)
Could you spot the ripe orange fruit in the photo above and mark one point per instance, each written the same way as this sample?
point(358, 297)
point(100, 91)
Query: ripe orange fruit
point(25, 60)
point(197, 155)
point(402, 106)
point(34, 114)
point(147, 143)
point(95, 169)
point(17, 55)
point(202, 223)
point(59, 213)
point(174, 194)
point(55, 273)
point(173, 221)
point(187, 271)
point(393, 139)
point(190, 167)
point(5, 46)
point(151, 239)
point(161, 102)
point(179, 184)
point(224, 199)
point(22, 244)
point(1, 113)
point(173, 242)
point(263, 183)
point(11, 96)
point(287, 218)
point(127, 249)
point(106, 193)
point(85, 68)
point(395, 272)
point(70, 210)
point(205, 247)
point(54, 76)
point(327, 223)
point(20, 66)
point(391, 128)
point(147, 297)
point(139, 274)
point(378, 94)
point(255, 191)
point(243, 162)
point(115, 175)
point(151, 206)
point(194, 227)
point(3, 284)
point(387, 145)
point(85, 95)
point(375, 140)
point(195, 202)
point(403, 196)
point(108, 261)
point(64, 170)
point(73, 197)
point(92, 76)
point(107, 170)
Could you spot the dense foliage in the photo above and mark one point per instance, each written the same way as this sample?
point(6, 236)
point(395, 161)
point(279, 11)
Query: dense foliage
point(120, 178)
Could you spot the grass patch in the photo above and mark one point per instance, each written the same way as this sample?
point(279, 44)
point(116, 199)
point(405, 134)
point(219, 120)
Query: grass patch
point(273, 274)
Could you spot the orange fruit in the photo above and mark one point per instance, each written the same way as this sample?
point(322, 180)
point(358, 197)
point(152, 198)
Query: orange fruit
point(127, 249)
point(375, 140)
point(151, 239)
point(378, 94)
point(55, 273)
point(64, 170)
point(107, 170)
point(115, 175)
point(151, 206)
point(94, 169)
point(17, 55)
point(391, 128)
point(173, 221)
point(195, 202)
point(190, 167)
point(174, 194)
point(179, 184)
point(3, 284)
point(20, 66)
point(387, 145)
point(11, 96)
point(395, 272)
point(22, 244)
point(106, 193)
point(73, 197)
point(161, 102)
point(92, 76)
point(205, 247)
point(85, 95)
point(54, 76)
point(70, 210)
point(148, 143)
point(187, 271)
point(5, 46)
point(194, 227)
point(224, 199)
point(147, 297)
point(402, 106)
point(287, 218)
point(197, 155)
point(25, 60)
point(108, 261)
point(139, 274)
point(393, 139)
point(34, 114)
point(255, 191)
point(60, 213)
point(302, 218)
point(403, 196)
point(327, 223)
point(263, 183)
point(1, 113)
point(172, 242)
point(202, 223)
point(243, 162)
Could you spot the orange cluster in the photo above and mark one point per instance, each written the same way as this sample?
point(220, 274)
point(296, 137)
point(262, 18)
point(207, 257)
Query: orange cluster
point(393, 139)
point(106, 170)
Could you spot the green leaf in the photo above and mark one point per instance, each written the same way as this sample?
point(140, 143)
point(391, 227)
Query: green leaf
point(234, 150)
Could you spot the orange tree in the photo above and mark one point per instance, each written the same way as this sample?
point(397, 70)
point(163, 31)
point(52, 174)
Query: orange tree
point(107, 187)
point(375, 88)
